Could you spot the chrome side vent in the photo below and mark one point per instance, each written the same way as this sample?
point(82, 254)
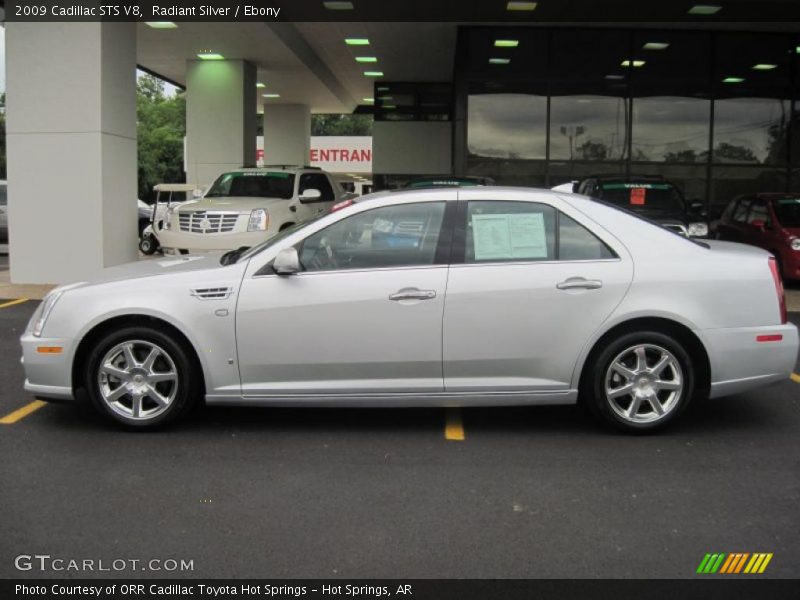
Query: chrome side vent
point(212, 293)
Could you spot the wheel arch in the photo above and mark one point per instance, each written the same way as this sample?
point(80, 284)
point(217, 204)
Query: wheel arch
point(100, 329)
point(683, 334)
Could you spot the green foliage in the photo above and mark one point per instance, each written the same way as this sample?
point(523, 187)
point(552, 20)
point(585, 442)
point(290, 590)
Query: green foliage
point(161, 126)
point(341, 124)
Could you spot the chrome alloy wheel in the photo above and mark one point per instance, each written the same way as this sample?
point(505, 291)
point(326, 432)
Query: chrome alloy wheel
point(137, 379)
point(644, 383)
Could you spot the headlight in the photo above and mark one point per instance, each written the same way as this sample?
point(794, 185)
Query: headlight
point(697, 229)
point(47, 307)
point(259, 220)
point(795, 243)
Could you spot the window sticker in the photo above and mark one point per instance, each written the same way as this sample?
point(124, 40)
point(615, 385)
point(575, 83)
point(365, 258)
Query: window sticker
point(511, 236)
point(638, 195)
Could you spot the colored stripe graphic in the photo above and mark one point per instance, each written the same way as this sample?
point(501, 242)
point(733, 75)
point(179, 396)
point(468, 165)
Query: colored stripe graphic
point(734, 563)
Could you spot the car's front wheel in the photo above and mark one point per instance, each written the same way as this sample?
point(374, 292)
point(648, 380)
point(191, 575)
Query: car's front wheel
point(140, 377)
point(639, 382)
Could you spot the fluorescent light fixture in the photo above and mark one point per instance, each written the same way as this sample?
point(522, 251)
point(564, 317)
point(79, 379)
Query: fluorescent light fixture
point(656, 46)
point(499, 61)
point(506, 43)
point(210, 56)
point(797, 50)
point(356, 41)
point(764, 67)
point(632, 63)
point(368, 100)
point(366, 59)
point(389, 106)
point(161, 24)
point(260, 85)
point(272, 95)
point(733, 80)
point(615, 77)
point(514, 5)
point(373, 73)
point(704, 9)
point(382, 88)
point(338, 5)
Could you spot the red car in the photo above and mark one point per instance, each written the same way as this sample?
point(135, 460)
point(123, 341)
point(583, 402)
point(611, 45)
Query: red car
point(770, 221)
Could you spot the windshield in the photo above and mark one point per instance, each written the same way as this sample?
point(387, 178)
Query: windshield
point(641, 197)
point(257, 184)
point(787, 210)
point(278, 237)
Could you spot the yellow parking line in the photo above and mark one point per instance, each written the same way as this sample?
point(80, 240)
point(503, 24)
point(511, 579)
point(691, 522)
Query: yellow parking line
point(13, 302)
point(453, 427)
point(21, 413)
point(795, 377)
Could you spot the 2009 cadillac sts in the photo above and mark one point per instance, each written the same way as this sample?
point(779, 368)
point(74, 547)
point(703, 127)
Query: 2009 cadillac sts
point(447, 297)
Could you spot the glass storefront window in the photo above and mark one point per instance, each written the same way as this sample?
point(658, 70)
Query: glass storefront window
point(670, 129)
point(507, 126)
point(589, 128)
point(750, 130)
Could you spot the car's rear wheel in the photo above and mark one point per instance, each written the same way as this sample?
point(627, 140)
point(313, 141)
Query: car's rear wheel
point(148, 244)
point(140, 377)
point(639, 382)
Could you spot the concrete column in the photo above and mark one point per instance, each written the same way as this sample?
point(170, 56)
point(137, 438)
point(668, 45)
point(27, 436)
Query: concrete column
point(220, 118)
point(71, 135)
point(287, 134)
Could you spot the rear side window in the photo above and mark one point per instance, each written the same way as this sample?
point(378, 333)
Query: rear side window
point(499, 231)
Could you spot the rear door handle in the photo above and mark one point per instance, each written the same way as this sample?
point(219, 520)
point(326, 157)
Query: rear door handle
point(412, 294)
point(577, 283)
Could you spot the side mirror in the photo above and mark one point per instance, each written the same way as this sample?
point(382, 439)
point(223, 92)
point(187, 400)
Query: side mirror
point(310, 195)
point(287, 262)
point(197, 193)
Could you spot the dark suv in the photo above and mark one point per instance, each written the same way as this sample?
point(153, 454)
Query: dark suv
point(651, 197)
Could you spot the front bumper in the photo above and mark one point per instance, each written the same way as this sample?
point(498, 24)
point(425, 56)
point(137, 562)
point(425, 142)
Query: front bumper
point(47, 375)
point(740, 363)
point(209, 242)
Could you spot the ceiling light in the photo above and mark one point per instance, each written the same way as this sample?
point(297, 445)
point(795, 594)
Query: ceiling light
point(368, 100)
point(356, 41)
point(338, 5)
point(733, 80)
point(499, 61)
point(389, 106)
point(506, 43)
point(514, 5)
point(704, 9)
point(271, 95)
point(161, 24)
point(210, 56)
point(764, 67)
point(260, 85)
point(373, 73)
point(656, 46)
point(615, 77)
point(366, 59)
point(632, 63)
point(382, 88)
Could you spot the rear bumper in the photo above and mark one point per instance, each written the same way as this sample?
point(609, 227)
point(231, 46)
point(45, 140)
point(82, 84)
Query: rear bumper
point(739, 362)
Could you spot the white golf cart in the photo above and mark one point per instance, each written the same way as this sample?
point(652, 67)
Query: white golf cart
point(167, 196)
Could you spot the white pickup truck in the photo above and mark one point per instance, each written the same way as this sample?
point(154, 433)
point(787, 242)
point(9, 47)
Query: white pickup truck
point(246, 207)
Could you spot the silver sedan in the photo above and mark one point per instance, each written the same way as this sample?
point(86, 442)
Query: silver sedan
point(441, 297)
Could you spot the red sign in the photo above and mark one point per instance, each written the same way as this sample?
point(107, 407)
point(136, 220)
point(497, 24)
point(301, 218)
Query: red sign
point(638, 195)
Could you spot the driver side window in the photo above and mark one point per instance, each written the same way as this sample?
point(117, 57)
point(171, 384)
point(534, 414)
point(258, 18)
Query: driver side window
point(393, 236)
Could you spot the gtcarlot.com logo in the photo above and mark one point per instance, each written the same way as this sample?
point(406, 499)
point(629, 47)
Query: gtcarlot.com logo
point(734, 563)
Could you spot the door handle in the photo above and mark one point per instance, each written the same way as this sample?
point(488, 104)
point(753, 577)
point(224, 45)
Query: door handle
point(412, 294)
point(577, 283)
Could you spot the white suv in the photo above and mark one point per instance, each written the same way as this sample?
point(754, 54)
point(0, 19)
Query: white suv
point(246, 207)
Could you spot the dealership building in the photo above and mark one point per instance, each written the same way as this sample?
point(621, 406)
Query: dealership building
point(706, 103)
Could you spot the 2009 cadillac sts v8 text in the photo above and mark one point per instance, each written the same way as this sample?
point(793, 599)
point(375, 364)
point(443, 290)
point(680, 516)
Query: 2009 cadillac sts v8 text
point(440, 297)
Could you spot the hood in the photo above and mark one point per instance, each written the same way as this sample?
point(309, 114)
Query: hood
point(231, 203)
point(167, 265)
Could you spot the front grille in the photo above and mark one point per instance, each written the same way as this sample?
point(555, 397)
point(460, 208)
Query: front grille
point(202, 221)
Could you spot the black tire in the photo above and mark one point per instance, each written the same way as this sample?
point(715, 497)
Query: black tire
point(598, 368)
point(148, 245)
point(188, 382)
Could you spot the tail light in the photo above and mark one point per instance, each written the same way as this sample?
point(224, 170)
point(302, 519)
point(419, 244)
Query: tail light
point(776, 277)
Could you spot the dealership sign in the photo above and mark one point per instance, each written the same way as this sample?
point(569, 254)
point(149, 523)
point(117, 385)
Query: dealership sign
point(337, 154)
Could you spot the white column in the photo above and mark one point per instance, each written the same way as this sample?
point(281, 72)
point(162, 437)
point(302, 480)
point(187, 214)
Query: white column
point(287, 134)
point(220, 118)
point(71, 135)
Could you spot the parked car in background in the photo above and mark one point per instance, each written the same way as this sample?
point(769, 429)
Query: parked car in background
point(438, 297)
point(3, 211)
point(145, 215)
point(168, 196)
point(770, 221)
point(651, 197)
point(246, 207)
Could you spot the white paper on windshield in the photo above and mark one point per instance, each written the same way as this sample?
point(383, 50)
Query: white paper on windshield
point(509, 236)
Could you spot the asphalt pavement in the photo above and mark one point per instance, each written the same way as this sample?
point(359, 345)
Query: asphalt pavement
point(278, 493)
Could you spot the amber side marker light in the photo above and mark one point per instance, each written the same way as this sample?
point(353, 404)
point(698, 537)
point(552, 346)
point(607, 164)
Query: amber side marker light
point(49, 349)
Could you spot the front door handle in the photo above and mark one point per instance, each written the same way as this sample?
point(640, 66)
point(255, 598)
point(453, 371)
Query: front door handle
point(577, 283)
point(412, 294)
